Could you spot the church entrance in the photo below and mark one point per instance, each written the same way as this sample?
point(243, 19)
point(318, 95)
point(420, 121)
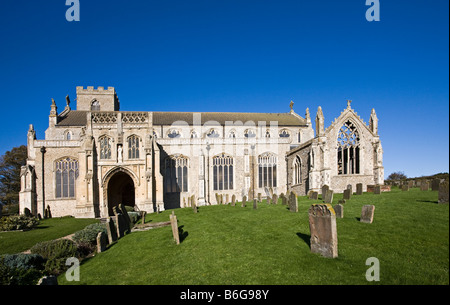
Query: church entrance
point(120, 190)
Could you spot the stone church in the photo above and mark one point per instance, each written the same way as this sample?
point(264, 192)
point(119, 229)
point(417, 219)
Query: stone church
point(96, 157)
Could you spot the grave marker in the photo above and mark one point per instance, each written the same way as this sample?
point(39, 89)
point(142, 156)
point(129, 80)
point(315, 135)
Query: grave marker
point(367, 213)
point(322, 225)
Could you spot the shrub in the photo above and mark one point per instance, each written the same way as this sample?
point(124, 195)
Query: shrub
point(18, 222)
point(21, 269)
point(89, 233)
point(56, 252)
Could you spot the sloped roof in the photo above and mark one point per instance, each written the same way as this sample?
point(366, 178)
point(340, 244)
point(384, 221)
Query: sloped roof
point(283, 119)
point(73, 118)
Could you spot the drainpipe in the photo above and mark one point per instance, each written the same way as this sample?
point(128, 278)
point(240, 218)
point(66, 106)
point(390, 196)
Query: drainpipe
point(43, 151)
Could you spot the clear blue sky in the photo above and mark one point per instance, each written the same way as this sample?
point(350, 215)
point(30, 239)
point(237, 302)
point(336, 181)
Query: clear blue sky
point(238, 55)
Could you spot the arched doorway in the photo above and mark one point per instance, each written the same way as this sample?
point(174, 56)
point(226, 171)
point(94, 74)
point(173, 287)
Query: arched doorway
point(121, 189)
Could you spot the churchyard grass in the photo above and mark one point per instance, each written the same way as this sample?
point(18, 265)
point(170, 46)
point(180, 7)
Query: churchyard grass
point(48, 229)
point(270, 245)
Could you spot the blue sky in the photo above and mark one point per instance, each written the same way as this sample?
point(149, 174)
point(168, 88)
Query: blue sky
point(238, 55)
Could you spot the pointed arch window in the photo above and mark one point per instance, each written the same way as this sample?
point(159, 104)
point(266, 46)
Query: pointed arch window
point(284, 134)
point(267, 170)
point(223, 172)
point(105, 147)
point(348, 150)
point(66, 173)
point(95, 105)
point(176, 174)
point(133, 147)
point(297, 170)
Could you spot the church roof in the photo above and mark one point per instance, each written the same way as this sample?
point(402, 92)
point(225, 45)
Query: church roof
point(283, 119)
point(79, 118)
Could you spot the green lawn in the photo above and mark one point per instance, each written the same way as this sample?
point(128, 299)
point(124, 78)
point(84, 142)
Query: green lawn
point(239, 246)
point(48, 229)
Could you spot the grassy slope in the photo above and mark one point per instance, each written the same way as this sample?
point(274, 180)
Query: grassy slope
point(234, 245)
point(48, 229)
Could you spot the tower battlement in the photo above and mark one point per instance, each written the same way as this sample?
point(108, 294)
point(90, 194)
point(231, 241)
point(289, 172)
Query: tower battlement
point(91, 99)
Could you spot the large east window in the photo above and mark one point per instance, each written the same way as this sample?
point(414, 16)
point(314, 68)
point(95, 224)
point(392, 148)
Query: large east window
point(223, 172)
point(348, 150)
point(66, 173)
point(176, 174)
point(267, 170)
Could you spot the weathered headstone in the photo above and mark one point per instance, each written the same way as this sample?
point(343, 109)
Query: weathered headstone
point(322, 225)
point(283, 199)
point(111, 230)
point(347, 194)
point(443, 192)
point(244, 202)
point(339, 209)
point(227, 199)
point(328, 196)
point(405, 188)
point(377, 190)
point(275, 199)
point(325, 188)
point(255, 204)
point(367, 213)
point(350, 187)
point(126, 217)
point(293, 203)
point(233, 200)
point(259, 197)
point(174, 224)
point(410, 183)
point(120, 225)
point(102, 241)
point(424, 185)
point(435, 184)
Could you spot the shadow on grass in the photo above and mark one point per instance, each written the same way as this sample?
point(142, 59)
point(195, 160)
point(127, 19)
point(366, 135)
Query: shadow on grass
point(431, 201)
point(306, 238)
point(183, 234)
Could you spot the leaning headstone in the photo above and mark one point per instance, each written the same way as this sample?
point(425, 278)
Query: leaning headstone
point(377, 190)
point(325, 188)
point(233, 200)
point(102, 242)
point(293, 203)
point(359, 189)
point(424, 185)
point(339, 209)
point(126, 217)
point(328, 196)
point(111, 230)
point(367, 213)
point(174, 224)
point(435, 184)
point(120, 225)
point(322, 225)
point(443, 192)
point(244, 202)
point(255, 204)
point(347, 194)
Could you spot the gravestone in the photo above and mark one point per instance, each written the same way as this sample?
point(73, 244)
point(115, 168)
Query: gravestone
point(367, 213)
point(233, 200)
point(342, 201)
point(313, 195)
point(405, 188)
point(120, 225)
point(377, 190)
point(350, 187)
point(102, 241)
point(283, 199)
point(322, 225)
point(227, 199)
point(339, 210)
point(174, 224)
point(424, 185)
point(259, 197)
point(126, 217)
point(347, 194)
point(325, 188)
point(111, 230)
point(293, 203)
point(255, 204)
point(443, 192)
point(275, 199)
point(244, 202)
point(435, 184)
point(410, 183)
point(328, 196)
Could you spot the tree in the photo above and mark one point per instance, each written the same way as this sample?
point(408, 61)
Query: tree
point(397, 176)
point(10, 165)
